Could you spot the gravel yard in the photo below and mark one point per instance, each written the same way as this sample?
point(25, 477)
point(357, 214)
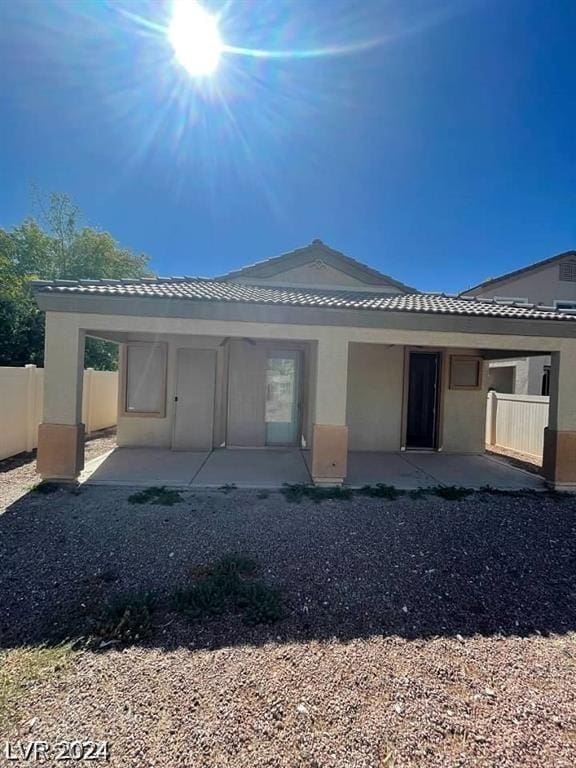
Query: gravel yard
point(18, 473)
point(416, 632)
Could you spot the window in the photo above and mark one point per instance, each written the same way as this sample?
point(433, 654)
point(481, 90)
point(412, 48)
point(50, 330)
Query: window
point(565, 306)
point(567, 271)
point(465, 372)
point(145, 379)
point(509, 300)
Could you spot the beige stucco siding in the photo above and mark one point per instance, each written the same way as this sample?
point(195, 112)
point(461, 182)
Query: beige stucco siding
point(539, 286)
point(316, 274)
point(372, 425)
point(374, 405)
point(157, 432)
point(375, 402)
point(246, 394)
point(463, 413)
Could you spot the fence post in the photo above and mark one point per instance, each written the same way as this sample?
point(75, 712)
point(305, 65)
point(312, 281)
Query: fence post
point(31, 425)
point(491, 417)
point(88, 394)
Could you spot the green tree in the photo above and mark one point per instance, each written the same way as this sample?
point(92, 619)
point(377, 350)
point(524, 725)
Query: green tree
point(55, 245)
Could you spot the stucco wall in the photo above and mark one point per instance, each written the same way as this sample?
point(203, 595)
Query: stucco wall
point(157, 432)
point(239, 398)
point(540, 286)
point(375, 402)
point(374, 405)
point(317, 274)
point(463, 413)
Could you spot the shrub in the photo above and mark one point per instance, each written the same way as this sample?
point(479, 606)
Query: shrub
point(451, 492)
point(156, 495)
point(297, 491)
point(381, 491)
point(46, 487)
point(126, 620)
point(227, 586)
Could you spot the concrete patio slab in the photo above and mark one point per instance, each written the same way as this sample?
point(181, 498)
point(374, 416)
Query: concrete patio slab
point(369, 468)
point(253, 468)
point(473, 471)
point(271, 468)
point(144, 467)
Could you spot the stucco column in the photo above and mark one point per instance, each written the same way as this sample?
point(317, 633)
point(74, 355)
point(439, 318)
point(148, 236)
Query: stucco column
point(61, 434)
point(559, 462)
point(330, 435)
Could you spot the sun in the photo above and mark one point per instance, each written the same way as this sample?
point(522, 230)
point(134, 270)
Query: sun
point(195, 38)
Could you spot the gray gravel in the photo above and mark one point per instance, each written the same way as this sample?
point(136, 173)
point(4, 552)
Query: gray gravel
point(18, 473)
point(418, 632)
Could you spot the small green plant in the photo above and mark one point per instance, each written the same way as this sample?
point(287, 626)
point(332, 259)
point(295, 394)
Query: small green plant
point(156, 495)
point(259, 603)
point(126, 620)
point(451, 492)
point(234, 564)
point(297, 491)
point(381, 491)
point(228, 586)
point(46, 487)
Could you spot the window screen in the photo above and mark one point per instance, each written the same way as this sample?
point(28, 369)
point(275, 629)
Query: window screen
point(465, 372)
point(145, 378)
point(568, 271)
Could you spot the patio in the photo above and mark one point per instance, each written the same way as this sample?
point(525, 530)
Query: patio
point(271, 468)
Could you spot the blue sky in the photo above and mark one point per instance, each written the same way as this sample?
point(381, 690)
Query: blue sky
point(444, 154)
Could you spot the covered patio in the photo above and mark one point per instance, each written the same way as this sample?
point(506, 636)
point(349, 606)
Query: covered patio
point(272, 468)
point(224, 383)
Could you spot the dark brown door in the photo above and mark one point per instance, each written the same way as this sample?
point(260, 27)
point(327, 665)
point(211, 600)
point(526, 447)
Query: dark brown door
point(423, 380)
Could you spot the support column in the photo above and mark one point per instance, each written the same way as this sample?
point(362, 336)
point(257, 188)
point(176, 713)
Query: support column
point(559, 463)
point(61, 434)
point(330, 435)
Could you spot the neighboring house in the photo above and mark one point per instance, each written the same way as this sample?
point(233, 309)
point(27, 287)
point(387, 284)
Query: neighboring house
point(310, 349)
point(546, 284)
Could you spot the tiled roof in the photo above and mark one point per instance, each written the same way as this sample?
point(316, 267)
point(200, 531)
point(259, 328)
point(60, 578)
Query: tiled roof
point(200, 289)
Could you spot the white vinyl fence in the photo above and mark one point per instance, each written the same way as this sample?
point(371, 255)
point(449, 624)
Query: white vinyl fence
point(21, 399)
point(517, 422)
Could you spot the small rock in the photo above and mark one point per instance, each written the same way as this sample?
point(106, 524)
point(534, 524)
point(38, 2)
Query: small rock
point(460, 638)
point(302, 709)
point(398, 708)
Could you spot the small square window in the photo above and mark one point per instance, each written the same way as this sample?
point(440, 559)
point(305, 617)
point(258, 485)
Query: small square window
point(465, 372)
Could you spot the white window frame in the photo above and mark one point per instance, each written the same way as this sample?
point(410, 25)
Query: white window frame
point(565, 301)
point(162, 347)
point(510, 300)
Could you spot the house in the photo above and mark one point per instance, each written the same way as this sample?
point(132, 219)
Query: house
point(310, 349)
point(550, 283)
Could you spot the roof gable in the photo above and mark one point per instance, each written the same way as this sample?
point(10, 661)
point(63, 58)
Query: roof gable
point(511, 276)
point(317, 261)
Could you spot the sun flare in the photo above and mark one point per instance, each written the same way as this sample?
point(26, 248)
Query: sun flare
point(195, 38)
